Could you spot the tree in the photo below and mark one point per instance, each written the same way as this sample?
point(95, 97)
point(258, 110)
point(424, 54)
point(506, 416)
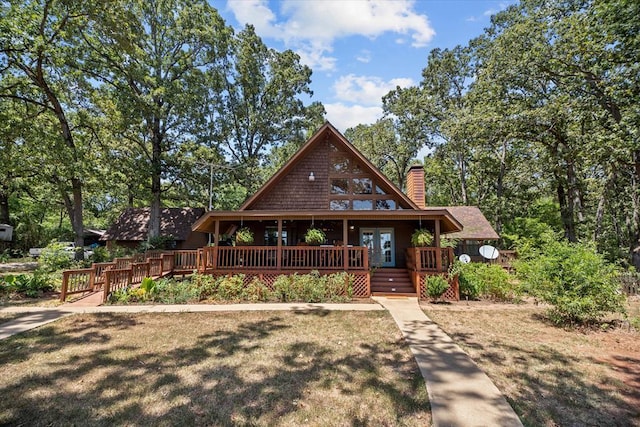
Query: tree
point(261, 102)
point(36, 40)
point(153, 57)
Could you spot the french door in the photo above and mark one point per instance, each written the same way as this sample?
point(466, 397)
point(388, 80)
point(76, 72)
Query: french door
point(381, 244)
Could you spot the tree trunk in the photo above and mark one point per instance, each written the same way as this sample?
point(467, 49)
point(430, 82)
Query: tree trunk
point(156, 175)
point(4, 206)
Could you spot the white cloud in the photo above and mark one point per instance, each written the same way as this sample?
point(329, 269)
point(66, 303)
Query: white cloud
point(311, 27)
point(343, 116)
point(366, 90)
point(364, 56)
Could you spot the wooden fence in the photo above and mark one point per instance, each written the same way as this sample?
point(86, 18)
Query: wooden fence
point(124, 272)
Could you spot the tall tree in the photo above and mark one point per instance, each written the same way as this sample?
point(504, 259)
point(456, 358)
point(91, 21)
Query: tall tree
point(262, 108)
point(153, 57)
point(36, 43)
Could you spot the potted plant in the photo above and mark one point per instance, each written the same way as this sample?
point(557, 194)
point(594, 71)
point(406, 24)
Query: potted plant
point(421, 237)
point(314, 236)
point(244, 236)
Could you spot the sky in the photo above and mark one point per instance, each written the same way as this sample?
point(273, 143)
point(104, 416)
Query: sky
point(359, 50)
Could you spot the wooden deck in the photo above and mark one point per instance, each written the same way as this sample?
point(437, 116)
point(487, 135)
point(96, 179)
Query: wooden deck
point(263, 262)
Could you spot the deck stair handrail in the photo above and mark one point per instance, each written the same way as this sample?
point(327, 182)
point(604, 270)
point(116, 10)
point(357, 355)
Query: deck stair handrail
point(153, 264)
point(76, 281)
point(116, 279)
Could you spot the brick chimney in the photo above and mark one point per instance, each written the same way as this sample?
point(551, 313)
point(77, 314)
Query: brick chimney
point(415, 186)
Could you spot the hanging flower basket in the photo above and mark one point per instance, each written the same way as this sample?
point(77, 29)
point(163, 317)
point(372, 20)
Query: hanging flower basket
point(421, 238)
point(244, 236)
point(314, 237)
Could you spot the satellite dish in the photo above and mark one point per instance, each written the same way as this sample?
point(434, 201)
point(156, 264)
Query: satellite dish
point(488, 252)
point(465, 259)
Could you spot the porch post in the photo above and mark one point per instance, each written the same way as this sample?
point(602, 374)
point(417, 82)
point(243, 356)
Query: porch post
point(279, 250)
point(345, 242)
point(216, 243)
point(437, 242)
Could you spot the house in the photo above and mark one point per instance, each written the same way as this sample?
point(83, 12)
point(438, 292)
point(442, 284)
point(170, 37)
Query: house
point(132, 228)
point(368, 222)
point(476, 231)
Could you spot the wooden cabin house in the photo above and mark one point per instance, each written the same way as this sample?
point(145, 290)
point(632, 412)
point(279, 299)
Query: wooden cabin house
point(368, 222)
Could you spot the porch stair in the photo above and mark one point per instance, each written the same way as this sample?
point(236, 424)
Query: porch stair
point(392, 281)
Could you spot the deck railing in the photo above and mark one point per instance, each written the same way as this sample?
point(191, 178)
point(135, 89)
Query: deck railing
point(289, 258)
point(126, 271)
point(423, 262)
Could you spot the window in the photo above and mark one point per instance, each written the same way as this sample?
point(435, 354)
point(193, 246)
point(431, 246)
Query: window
point(361, 185)
point(271, 236)
point(340, 165)
point(339, 205)
point(379, 190)
point(385, 204)
point(363, 205)
point(339, 186)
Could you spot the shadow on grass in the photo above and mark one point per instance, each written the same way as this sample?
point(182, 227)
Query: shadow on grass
point(548, 387)
point(91, 378)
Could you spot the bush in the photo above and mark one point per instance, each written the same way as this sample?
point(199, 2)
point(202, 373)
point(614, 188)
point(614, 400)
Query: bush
point(575, 279)
point(54, 257)
point(28, 285)
point(436, 286)
point(485, 281)
point(170, 291)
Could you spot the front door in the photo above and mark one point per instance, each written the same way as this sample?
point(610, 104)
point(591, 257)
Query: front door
point(382, 251)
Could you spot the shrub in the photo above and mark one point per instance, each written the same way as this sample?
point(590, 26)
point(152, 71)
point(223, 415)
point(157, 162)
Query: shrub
point(488, 281)
point(169, 291)
point(421, 238)
point(54, 257)
point(575, 279)
point(257, 291)
point(28, 285)
point(230, 288)
point(436, 286)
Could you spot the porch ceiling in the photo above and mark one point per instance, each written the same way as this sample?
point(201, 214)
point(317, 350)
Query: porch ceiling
point(448, 224)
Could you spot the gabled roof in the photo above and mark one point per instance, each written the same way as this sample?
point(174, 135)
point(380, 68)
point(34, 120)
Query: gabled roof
point(475, 225)
point(133, 224)
point(323, 133)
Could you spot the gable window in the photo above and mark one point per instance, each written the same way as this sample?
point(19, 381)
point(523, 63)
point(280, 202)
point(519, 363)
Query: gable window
point(385, 204)
point(361, 185)
point(362, 205)
point(339, 205)
point(339, 186)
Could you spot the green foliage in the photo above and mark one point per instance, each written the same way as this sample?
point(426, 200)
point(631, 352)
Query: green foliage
point(313, 287)
point(575, 279)
point(28, 285)
point(55, 257)
point(421, 238)
point(148, 285)
point(436, 286)
point(315, 236)
point(157, 243)
point(447, 242)
point(485, 281)
point(244, 236)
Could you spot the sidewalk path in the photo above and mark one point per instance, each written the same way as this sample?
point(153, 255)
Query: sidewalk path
point(459, 392)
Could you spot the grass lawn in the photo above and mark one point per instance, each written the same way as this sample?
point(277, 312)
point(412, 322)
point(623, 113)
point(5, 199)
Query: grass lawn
point(252, 368)
point(551, 376)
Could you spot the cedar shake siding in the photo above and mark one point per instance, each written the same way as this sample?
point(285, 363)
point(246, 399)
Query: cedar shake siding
point(294, 191)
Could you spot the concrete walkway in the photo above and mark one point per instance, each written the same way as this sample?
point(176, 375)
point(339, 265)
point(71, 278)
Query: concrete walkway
point(459, 392)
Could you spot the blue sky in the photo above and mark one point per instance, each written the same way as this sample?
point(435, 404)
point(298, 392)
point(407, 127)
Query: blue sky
point(359, 50)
